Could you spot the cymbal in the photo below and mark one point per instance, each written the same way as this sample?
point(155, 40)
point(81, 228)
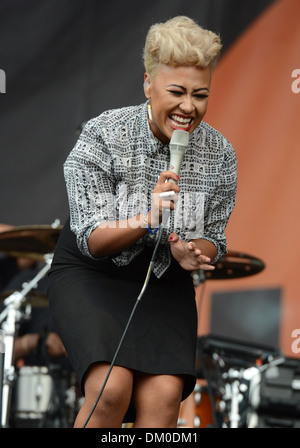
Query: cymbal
point(37, 299)
point(235, 265)
point(30, 241)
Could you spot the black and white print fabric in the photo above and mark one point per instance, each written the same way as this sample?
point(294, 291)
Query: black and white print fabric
point(115, 164)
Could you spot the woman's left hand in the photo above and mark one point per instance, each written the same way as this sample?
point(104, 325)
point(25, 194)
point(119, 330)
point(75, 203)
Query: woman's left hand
point(188, 255)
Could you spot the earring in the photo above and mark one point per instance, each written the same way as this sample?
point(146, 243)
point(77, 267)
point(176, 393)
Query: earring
point(149, 110)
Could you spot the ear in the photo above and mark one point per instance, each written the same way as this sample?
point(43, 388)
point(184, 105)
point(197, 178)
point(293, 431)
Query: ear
point(147, 85)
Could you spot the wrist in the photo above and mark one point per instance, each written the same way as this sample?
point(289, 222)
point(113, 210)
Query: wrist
point(147, 222)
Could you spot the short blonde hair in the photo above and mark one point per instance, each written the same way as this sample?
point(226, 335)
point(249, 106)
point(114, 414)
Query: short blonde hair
point(180, 41)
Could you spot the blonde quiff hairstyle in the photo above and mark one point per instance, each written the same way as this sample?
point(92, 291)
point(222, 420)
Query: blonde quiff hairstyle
point(180, 41)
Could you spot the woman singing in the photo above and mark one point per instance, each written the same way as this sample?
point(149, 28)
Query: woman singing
point(114, 177)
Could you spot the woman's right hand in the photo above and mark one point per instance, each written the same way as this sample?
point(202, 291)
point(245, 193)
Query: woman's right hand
point(160, 205)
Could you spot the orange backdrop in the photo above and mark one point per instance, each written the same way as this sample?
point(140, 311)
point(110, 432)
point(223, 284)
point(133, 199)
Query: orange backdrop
point(252, 103)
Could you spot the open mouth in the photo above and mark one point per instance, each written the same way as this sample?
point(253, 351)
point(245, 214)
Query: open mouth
point(180, 122)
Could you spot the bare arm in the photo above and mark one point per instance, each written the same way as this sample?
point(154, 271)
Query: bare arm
point(24, 345)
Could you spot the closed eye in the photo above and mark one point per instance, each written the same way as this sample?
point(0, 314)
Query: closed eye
point(175, 92)
point(198, 96)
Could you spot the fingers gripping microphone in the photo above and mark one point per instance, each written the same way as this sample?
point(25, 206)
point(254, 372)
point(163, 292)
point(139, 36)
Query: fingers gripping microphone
point(178, 146)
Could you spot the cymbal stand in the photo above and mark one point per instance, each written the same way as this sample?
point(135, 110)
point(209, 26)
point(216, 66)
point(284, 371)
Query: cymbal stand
point(241, 382)
point(9, 318)
point(233, 396)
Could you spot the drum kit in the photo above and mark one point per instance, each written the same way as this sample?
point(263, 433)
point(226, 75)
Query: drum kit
point(30, 395)
point(36, 391)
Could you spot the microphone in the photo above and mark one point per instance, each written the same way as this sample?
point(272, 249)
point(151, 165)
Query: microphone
point(178, 145)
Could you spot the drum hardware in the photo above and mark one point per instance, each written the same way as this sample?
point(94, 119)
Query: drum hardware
point(235, 395)
point(234, 369)
point(57, 409)
point(279, 397)
point(60, 405)
point(244, 386)
point(37, 243)
point(196, 411)
point(181, 422)
point(34, 299)
point(9, 318)
point(198, 277)
point(43, 397)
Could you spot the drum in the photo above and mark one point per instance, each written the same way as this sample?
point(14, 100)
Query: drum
point(41, 398)
point(34, 387)
point(204, 408)
point(197, 410)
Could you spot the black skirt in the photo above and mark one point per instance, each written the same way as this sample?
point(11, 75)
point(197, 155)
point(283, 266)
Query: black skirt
point(91, 301)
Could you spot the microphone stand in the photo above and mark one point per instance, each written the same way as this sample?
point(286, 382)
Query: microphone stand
point(9, 318)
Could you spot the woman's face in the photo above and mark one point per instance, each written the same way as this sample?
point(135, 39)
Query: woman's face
point(178, 98)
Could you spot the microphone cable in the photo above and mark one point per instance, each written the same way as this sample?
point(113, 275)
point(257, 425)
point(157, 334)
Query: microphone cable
point(144, 287)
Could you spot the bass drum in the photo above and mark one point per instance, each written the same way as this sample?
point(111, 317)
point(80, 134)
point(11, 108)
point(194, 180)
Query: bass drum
point(43, 399)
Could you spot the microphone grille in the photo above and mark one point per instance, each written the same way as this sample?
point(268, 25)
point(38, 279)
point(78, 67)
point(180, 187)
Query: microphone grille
point(180, 138)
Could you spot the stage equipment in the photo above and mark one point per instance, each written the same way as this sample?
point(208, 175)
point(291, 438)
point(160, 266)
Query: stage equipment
point(233, 371)
point(38, 243)
point(31, 241)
